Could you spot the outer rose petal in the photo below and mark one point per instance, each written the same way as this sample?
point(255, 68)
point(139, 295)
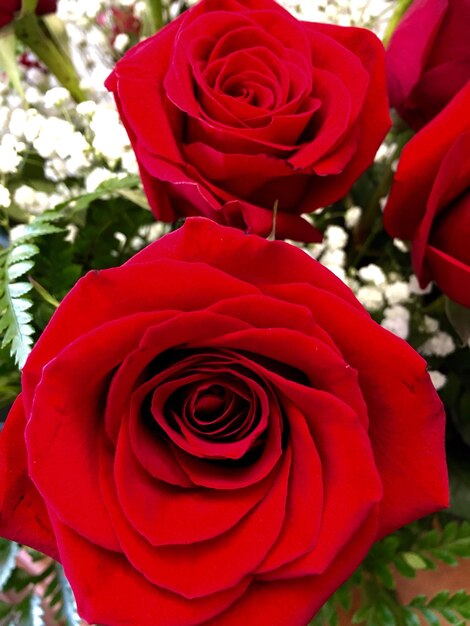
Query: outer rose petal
point(106, 588)
point(23, 514)
point(401, 402)
point(294, 602)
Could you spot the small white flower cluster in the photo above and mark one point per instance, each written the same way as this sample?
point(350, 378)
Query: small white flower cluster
point(78, 146)
point(376, 290)
point(373, 14)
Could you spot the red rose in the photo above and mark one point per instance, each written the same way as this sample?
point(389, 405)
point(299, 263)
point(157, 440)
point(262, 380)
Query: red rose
point(428, 59)
point(206, 437)
point(236, 107)
point(430, 200)
point(8, 8)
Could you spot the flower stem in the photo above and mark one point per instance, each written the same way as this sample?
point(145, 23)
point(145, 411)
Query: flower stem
point(155, 9)
point(29, 30)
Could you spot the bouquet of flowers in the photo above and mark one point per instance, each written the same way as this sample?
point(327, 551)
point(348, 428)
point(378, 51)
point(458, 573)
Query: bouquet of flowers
point(235, 312)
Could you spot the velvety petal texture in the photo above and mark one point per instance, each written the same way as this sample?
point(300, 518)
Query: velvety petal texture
point(428, 58)
point(8, 8)
point(205, 437)
point(429, 203)
point(236, 108)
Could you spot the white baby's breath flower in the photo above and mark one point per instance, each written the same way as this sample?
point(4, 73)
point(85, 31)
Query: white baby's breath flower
point(397, 320)
point(9, 160)
point(96, 177)
point(33, 95)
point(371, 297)
point(416, 289)
point(57, 96)
point(430, 325)
point(25, 197)
point(372, 274)
point(334, 258)
point(438, 379)
point(441, 344)
point(17, 122)
point(352, 216)
point(335, 237)
point(4, 197)
point(33, 125)
point(121, 42)
point(86, 108)
point(55, 170)
point(129, 162)
point(397, 292)
point(400, 245)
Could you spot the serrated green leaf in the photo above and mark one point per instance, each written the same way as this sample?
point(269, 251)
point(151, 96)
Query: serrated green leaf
point(361, 615)
point(19, 289)
point(410, 617)
point(8, 552)
point(31, 231)
point(22, 252)
point(450, 532)
point(444, 556)
point(416, 561)
point(385, 575)
point(18, 269)
point(30, 612)
point(440, 599)
point(403, 568)
point(431, 617)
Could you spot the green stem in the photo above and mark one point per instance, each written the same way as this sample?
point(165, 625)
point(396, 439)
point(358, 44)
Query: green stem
point(372, 210)
point(155, 8)
point(28, 29)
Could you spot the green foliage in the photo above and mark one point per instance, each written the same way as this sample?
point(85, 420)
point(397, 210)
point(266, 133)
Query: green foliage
point(59, 597)
point(8, 552)
point(454, 608)
point(16, 320)
point(420, 546)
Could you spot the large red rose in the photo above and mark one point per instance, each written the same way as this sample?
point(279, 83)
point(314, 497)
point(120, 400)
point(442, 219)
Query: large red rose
point(215, 433)
point(8, 8)
point(429, 202)
point(428, 58)
point(237, 107)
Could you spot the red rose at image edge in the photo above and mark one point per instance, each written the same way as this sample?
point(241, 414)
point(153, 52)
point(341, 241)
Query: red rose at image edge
point(428, 58)
point(429, 202)
point(205, 436)
point(236, 107)
point(8, 8)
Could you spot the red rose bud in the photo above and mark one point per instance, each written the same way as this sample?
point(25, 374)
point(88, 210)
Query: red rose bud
point(237, 107)
point(429, 202)
point(205, 435)
point(8, 8)
point(428, 59)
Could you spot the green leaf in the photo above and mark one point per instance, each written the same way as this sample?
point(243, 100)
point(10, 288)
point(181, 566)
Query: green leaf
point(18, 269)
point(60, 597)
point(30, 612)
point(414, 560)
point(8, 552)
point(16, 261)
point(8, 58)
point(459, 317)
